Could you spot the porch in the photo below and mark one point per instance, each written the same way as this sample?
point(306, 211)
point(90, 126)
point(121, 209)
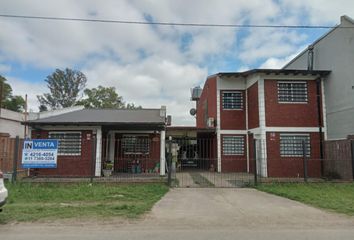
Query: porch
point(133, 153)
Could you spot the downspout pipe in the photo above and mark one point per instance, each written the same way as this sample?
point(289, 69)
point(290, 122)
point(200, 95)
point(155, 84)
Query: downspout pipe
point(319, 114)
point(310, 58)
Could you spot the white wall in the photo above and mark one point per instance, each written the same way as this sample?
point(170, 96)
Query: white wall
point(10, 122)
point(233, 83)
point(335, 52)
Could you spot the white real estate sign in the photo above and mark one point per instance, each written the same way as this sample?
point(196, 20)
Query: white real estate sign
point(40, 153)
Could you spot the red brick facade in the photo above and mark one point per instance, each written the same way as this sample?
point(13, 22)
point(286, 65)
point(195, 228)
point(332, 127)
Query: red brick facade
point(234, 163)
point(290, 114)
point(147, 162)
point(83, 166)
point(232, 119)
point(69, 166)
point(206, 106)
point(298, 116)
point(292, 166)
point(252, 101)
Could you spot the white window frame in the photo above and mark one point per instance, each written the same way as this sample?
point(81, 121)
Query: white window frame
point(308, 147)
point(293, 102)
point(136, 135)
point(236, 153)
point(67, 132)
point(232, 91)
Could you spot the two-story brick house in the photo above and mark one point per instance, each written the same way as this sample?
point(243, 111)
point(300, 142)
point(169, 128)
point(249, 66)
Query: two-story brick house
point(280, 109)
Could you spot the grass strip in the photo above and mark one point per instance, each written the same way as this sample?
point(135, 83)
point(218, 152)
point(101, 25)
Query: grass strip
point(38, 201)
point(338, 197)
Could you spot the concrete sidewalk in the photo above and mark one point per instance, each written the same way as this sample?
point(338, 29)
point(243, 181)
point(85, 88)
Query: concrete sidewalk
point(203, 213)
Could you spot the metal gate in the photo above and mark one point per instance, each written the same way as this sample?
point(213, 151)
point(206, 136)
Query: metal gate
point(194, 163)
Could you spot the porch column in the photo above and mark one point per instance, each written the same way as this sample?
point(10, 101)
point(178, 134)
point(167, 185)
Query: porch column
point(98, 151)
point(112, 141)
point(162, 153)
point(262, 127)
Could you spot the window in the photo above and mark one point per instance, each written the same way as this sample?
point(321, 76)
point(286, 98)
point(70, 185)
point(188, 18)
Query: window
point(69, 142)
point(292, 92)
point(135, 144)
point(291, 145)
point(233, 145)
point(232, 100)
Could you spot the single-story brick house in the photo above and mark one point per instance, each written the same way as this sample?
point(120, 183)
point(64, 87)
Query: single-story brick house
point(89, 138)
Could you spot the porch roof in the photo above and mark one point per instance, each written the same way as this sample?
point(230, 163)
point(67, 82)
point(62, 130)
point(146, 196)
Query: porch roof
point(111, 117)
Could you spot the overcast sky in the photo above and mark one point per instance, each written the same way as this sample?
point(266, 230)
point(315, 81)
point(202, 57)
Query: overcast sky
point(154, 65)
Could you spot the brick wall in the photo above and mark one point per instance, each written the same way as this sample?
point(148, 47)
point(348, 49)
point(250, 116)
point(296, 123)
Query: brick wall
point(206, 106)
point(292, 166)
point(69, 166)
point(290, 114)
point(253, 112)
point(233, 119)
point(233, 163)
point(147, 162)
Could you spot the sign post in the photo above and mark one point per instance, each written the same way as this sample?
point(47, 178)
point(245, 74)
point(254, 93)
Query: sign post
point(15, 160)
point(40, 153)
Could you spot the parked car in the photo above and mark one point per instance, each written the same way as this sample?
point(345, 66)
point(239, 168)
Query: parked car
point(188, 156)
point(3, 191)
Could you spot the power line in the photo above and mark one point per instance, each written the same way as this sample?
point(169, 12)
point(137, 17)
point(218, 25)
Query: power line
point(169, 23)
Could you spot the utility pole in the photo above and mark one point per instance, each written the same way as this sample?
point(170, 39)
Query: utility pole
point(26, 117)
point(1, 94)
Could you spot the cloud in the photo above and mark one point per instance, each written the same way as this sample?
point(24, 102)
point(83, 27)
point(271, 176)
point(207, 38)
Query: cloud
point(266, 43)
point(274, 62)
point(154, 65)
point(22, 87)
point(151, 83)
point(320, 11)
point(53, 43)
point(4, 68)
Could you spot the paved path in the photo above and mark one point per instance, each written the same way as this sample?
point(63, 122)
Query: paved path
point(204, 214)
point(207, 179)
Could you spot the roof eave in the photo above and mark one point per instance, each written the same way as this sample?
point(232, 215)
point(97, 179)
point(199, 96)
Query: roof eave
point(33, 123)
point(275, 71)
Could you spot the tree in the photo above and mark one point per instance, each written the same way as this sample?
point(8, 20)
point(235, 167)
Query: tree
point(8, 101)
point(43, 108)
point(101, 97)
point(132, 106)
point(104, 97)
point(65, 87)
